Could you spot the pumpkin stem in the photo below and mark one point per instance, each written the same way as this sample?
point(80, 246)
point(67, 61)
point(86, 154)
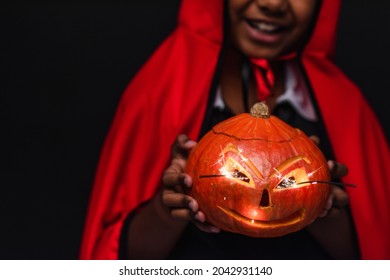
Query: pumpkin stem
point(260, 110)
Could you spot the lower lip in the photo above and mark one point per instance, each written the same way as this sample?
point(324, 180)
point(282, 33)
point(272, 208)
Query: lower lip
point(262, 37)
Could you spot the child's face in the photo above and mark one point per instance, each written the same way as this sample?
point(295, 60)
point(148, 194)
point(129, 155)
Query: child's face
point(269, 28)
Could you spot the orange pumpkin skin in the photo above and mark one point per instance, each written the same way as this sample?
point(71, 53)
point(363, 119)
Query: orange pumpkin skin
point(248, 175)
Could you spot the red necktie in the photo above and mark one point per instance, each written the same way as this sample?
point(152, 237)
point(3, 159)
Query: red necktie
point(264, 77)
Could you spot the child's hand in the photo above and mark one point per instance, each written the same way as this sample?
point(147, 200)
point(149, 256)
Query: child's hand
point(334, 229)
point(338, 198)
point(182, 206)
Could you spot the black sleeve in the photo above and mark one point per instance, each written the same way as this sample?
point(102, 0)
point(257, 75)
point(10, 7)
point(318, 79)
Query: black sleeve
point(122, 254)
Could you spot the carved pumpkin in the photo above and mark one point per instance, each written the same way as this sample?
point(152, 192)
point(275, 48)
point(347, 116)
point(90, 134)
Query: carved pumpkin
point(255, 175)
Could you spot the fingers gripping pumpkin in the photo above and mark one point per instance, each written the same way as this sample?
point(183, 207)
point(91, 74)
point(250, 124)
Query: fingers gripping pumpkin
point(254, 174)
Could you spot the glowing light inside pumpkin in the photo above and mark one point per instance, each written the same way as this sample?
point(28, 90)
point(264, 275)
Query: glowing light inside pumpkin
point(236, 172)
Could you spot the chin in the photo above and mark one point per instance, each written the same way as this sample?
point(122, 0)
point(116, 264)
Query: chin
point(265, 52)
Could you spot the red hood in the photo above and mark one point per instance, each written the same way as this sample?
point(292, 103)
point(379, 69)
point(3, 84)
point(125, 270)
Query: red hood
point(210, 28)
point(137, 147)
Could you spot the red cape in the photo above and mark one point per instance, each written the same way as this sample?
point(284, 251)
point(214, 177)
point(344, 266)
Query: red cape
point(168, 96)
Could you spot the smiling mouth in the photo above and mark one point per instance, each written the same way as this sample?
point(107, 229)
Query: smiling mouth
point(266, 27)
point(292, 219)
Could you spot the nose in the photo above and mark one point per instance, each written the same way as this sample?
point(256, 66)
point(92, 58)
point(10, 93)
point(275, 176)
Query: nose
point(273, 6)
point(264, 202)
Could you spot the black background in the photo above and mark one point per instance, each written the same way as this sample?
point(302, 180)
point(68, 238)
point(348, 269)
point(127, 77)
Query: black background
point(63, 68)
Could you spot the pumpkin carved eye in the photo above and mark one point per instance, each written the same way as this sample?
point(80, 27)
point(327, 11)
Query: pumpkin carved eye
point(241, 176)
point(287, 183)
point(293, 179)
point(233, 170)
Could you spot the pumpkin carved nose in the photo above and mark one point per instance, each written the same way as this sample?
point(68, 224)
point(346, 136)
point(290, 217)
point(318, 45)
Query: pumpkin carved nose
point(264, 202)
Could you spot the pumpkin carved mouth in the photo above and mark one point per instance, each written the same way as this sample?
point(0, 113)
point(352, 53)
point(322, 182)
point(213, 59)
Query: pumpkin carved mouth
point(292, 219)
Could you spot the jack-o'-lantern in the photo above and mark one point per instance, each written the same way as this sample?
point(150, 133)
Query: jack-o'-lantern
point(255, 175)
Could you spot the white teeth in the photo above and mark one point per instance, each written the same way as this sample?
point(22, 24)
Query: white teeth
point(267, 27)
